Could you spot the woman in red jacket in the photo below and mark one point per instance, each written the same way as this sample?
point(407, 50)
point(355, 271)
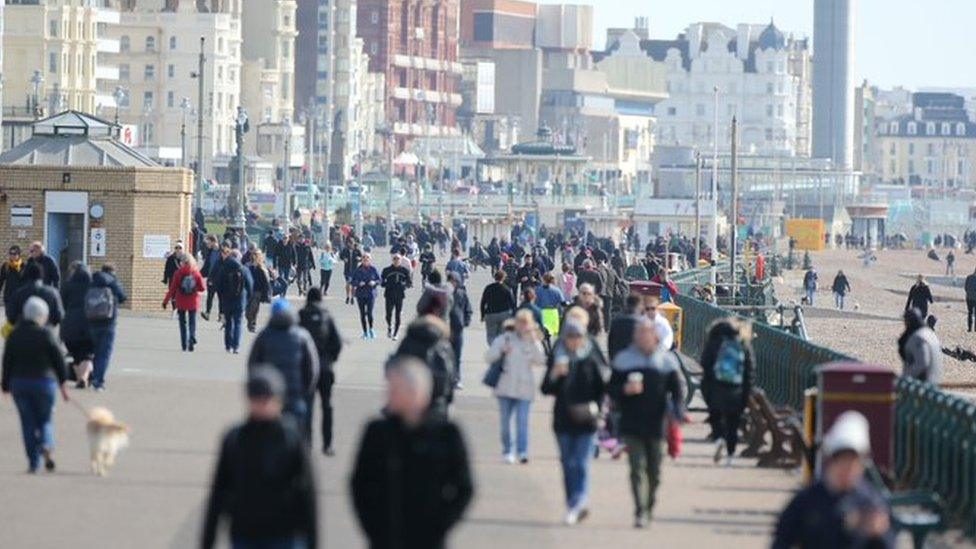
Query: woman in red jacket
point(184, 290)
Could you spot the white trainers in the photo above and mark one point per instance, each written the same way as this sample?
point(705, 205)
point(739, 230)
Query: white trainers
point(509, 458)
point(719, 449)
point(728, 461)
point(572, 517)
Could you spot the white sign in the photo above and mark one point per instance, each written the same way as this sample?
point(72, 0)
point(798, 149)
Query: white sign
point(155, 246)
point(21, 216)
point(97, 242)
point(129, 135)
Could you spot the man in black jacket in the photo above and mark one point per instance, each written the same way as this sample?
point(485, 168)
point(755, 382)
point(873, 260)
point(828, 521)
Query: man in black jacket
point(460, 318)
point(268, 506)
point(643, 379)
point(12, 274)
point(919, 297)
point(427, 341)
point(320, 325)
point(49, 267)
point(395, 279)
point(497, 305)
point(33, 284)
point(291, 350)
point(412, 482)
point(621, 333)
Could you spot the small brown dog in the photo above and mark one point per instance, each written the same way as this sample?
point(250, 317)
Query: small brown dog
point(106, 437)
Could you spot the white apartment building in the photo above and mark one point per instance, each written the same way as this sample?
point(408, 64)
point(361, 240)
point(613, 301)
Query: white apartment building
point(52, 49)
point(159, 47)
point(762, 78)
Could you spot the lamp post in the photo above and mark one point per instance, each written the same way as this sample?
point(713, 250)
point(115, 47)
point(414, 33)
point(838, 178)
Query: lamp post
point(286, 166)
point(698, 197)
point(199, 75)
point(119, 96)
point(734, 215)
point(239, 206)
point(185, 107)
point(36, 80)
point(713, 274)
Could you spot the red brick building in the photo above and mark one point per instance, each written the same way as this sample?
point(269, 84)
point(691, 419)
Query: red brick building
point(415, 43)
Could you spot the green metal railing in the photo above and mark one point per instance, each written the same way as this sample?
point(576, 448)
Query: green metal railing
point(934, 432)
point(935, 447)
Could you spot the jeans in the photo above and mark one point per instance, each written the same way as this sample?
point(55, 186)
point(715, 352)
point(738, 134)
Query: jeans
point(457, 342)
point(103, 340)
point(508, 406)
point(232, 330)
point(394, 307)
point(839, 300)
point(810, 294)
point(366, 310)
point(493, 324)
point(34, 399)
point(326, 381)
point(187, 319)
point(574, 455)
point(297, 408)
point(287, 543)
point(325, 279)
point(644, 458)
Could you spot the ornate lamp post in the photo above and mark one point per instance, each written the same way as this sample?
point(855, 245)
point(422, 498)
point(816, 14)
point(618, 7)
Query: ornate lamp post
point(187, 108)
point(238, 205)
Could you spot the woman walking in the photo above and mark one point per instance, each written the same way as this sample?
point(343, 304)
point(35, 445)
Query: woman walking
point(576, 376)
point(262, 289)
point(365, 279)
point(520, 347)
point(33, 372)
point(184, 292)
point(327, 260)
point(74, 327)
point(728, 372)
point(593, 305)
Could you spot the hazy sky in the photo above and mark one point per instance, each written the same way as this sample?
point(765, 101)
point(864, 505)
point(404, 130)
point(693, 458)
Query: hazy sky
point(914, 43)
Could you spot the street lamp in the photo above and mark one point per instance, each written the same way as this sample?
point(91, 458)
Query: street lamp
point(285, 176)
point(186, 107)
point(239, 206)
point(119, 96)
point(37, 79)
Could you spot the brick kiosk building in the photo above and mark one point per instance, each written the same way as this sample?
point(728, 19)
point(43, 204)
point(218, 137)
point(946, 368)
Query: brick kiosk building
point(88, 197)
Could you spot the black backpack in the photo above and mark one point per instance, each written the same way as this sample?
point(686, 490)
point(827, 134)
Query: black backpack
point(234, 282)
point(188, 284)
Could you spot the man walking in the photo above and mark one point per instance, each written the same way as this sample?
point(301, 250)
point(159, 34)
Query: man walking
point(919, 297)
point(497, 305)
point(49, 267)
point(395, 279)
point(320, 325)
point(810, 285)
point(263, 482)
point(234, 287)
point(291, 350)
point(970, 300)
point(460, 318)
point(643, 379)
point(412, 481)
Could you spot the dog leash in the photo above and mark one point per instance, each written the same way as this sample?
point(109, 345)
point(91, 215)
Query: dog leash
point(78, 406)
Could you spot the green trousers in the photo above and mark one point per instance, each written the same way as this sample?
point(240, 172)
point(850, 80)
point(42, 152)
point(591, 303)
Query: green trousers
point(644, 457)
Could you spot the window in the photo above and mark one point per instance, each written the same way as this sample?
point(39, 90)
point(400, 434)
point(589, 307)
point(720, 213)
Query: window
point(220, 45)
point(769, 111)
point(171, 71)
point(150, 72)
point(170, 99)
point(220, 74)
point(911, 167)
point(149, 133)
point(125, 45)
point(930, 149)
point(893, 128)
point(891, 149)
point(286, 49)
point(147, 100)
point(961, 128)
point(52, 62)
point(769, 87)
point(912, 128)
point(891, 167)
point(700, 110)
point(286, 21)
point(911, 148)
point(374, 48)
point(672, 111)
point(124, 71)
point(172, 42)
point(946, 128)
point(930, 128)
point(769, 134)
point(125, 100)
point(930, 167)
point(769, 66)
point(52, 28)
point(374, 17)
point(779, 110)
point(150, 43)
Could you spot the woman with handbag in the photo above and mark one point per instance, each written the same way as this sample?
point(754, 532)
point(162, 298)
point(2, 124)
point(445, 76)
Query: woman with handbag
point(512, 355)
point(576, 376)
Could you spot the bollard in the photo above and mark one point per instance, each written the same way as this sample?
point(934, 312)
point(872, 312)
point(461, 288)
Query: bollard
point(809, 431)
point(867, 389)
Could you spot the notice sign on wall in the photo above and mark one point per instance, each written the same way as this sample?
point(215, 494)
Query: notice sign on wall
point(97, 242)
point(155, 246)
point(21, 216)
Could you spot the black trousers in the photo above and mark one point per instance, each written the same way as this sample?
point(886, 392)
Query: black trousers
point(325, 394)
point(366, 311)
point(725, 425)
point(211, 293)
point(394, 306)
point(970, 313)
point(325, 280)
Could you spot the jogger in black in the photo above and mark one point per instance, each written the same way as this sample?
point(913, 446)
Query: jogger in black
point(395, 280)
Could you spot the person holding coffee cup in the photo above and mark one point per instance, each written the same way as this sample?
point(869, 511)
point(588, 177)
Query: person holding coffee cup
point(645, 387)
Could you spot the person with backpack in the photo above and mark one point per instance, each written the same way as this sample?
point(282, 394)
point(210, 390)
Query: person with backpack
point(264, 482)
point(102, 311)
point(185, 287)
point(645, 387)
point(427, 340)
point(290, 349)
point(320, 325)
point(810, 285)
point(74, 326)
point(728, 372)
point(235, 287)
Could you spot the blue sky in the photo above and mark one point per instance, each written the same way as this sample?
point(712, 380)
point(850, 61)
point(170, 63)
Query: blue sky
point(914, 43)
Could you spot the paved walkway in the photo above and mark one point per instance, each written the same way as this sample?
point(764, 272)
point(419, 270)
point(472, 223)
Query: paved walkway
point(178, 404)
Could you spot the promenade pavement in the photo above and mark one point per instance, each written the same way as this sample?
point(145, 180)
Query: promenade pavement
point(178, 404)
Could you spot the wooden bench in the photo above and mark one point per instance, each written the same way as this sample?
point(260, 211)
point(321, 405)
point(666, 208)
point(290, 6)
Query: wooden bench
point(786, 448)
point(692, 382)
